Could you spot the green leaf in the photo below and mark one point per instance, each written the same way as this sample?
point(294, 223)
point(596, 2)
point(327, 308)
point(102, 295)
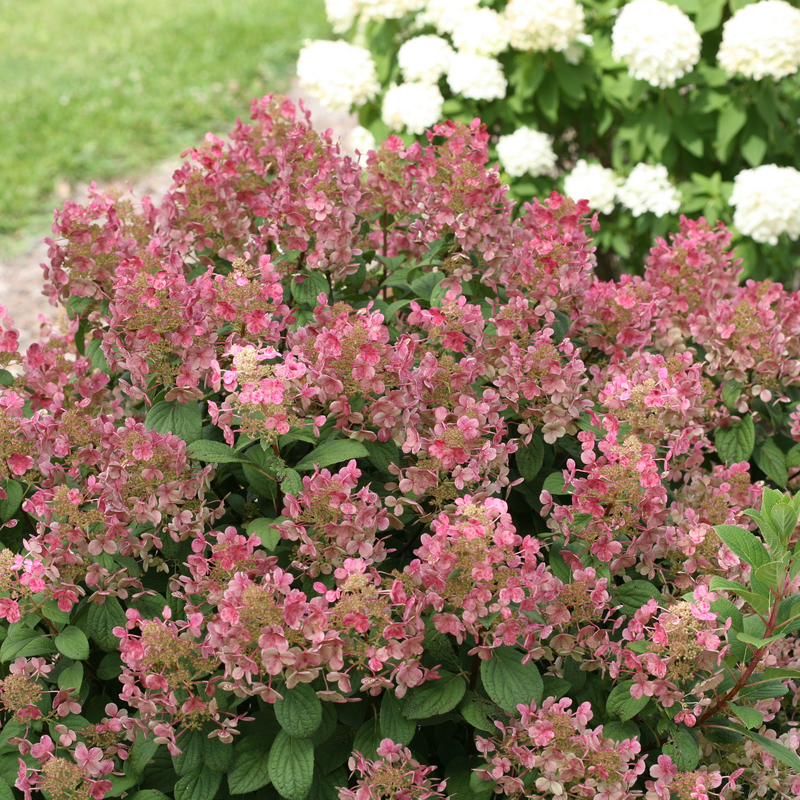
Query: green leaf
point(299, 712)
point(772, 462)
point(772, 574)
point(313, 285)
point(291, 766)
point(619, 731)
point(731, 120)
point(367, 738)
point(735, 444)
point(763, 689)
point(216, 754)
point(682, 748)
point(784, 520)
point(333, 452)
point(620, 703)
point(201, 784)
point(14, 495)
point(23, 641)
point(530, 458)
point(634, 595)
point(110, 667)
point(185, 420)
point(480, 712)
point(6, 378)
point(749, 716)
point(249, 770)
point(423, 287)
point(753, 148)
point(102, 619)
point(190, 759)
point(147, 794)
point(141, 754)
point(213, 452)
point(435, 697)
point(382, 455)
point(261, 527)
point(292, 483)
point(744, 543)
point(709, 15)
point(783, 754)
point(757, 641)
point(392, 722)
point(72, 643)
point(508, 682)
point(71, 677)
point(554, 483)
point(730, 393)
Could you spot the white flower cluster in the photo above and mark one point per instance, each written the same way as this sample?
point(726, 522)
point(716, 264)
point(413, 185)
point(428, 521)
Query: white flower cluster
point(481, 31)
point(544, 24)
point(767, 202)
point(412, 106)
point(444, 15)
point(648, 189)
point(424, 58)
point(526, 151)
point(595, 183)
point(477, 77)
point(338, 74)
point(342, 13)
point(362, 140)
point(658, 42)
point(761, 40)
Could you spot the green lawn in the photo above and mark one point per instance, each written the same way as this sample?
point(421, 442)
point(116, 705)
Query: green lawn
point(95, 89)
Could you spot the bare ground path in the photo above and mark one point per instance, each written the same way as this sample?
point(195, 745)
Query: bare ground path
point(21, 277)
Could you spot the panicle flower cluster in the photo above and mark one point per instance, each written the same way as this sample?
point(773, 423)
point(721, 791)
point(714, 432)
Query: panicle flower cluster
point(424, 59)
point(526, 151)
point(544, 24)
point(343, 13)
point(657, 41)
point(477, 77)
point(594, 183)
point(340, 75)
point(568, 758)
point(482, 31)
point(444, 15)
point(412, 107)
point(648, 189)
point(761, 40)
point(766, 201)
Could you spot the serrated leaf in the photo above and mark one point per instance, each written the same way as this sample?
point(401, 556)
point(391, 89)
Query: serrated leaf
point(508, 682)
point(759, 603)
point(328, 725)
point(367, 738)
point(480, 712)
point(772, 574)
point(393, 724)
point(779, 751)
point(110, 667)
point(772, 462)
point(261, 527)
point(530, 458)
point(620, 703)
point(313, 285)
point(213, 452)
point(299, 712)
point(334, 752)
point(6, 378)
point(757, 641)
point(249, 769)
point(333, 452)
point(102, 619)
point(185, 420)
point(292, 483)
point(14, 495)
point(783, 518)
point(202, 784)
point(72, 643)
point(554, 483)
point(763, 689)
point(71, 677)
point(382, 455)
point(735, 444)
point(190, 759)
point(744, 544)
point(141, 754)
point(435, 697)
point(291, 766)
point(683, 748)
point(619, 731)
point(634, 594)
point(730, 393)
point(147, 794)
point(217, 755)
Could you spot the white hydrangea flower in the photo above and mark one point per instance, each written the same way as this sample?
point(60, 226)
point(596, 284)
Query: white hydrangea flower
point(412, 106)
point(526, 151)
point(477, 77)
point(595, 183)
point(657, 41)
point(342, 13)
point(362, 140)
point(338, 74)
point(445, 14)
point(482, 31)
point(762, 40)
point(767, 202)
point(648, 189)
point(424, 59)
point(544, 24)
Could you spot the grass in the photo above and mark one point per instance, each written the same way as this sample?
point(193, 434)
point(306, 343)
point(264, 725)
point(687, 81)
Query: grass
point(98, 89)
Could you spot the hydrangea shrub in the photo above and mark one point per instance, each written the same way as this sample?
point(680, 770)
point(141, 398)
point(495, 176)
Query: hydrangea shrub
point(345, 482)
point(702, 96)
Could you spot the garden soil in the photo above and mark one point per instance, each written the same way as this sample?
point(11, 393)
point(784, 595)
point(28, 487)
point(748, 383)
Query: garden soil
point(21, 276)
